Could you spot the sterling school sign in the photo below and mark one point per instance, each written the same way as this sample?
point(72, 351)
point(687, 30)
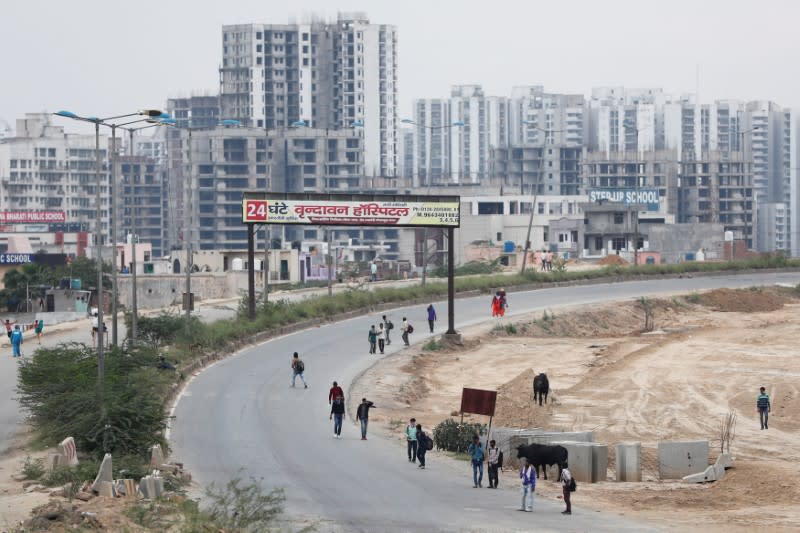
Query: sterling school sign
point(352, 210)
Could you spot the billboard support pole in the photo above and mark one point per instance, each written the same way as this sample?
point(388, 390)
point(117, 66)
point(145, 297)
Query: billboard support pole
point(251, 272)
point(451, 283)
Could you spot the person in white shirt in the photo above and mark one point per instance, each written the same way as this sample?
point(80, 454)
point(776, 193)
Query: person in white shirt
point(528, 476)
point(404, 329)
point(381, 337)
point(566, 479)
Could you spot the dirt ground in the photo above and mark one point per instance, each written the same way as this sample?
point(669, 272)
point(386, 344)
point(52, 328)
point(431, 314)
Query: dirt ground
point(707, 355)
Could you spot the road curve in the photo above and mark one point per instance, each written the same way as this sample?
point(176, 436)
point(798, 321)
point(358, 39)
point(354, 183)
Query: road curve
point(240, 417)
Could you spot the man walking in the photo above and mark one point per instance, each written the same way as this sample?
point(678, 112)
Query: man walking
point(388, 327)
point(763, 408)
point(9, 328)
point(404, 328)
point(431, 316)
point(362, 415)
point(566, 482)
point(16, 342)
point(411, 440)
point(372, 337)
point(528, 476)
point(381, 338)
point(422, 448)
point(335, 392)
point(475, 450)
point(337, 413)
point(493, 462)
point(298, 368)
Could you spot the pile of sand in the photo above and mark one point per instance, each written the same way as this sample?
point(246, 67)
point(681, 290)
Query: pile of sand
point(612, 260)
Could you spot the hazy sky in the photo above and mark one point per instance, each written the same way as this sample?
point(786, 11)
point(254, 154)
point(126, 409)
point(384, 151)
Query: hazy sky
point(110, 57)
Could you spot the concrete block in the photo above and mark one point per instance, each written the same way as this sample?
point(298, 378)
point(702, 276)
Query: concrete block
point(723, 462)
point(67, 448)
point(104, 474)
point(55, 460)
point(106, 488)
point(156, 455)
point(551, 437)
point(151, 487)
point(579, 457)
point(599, 462)
point(677, 459)
point(709, 474)
point(629, 461)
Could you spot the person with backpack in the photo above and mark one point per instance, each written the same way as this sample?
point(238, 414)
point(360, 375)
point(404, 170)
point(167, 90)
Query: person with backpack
point(372, 337)
point(337, 414)
point(362, 415)
point(38, 327)
point(298, 368)
point(407, 329)
point(475, 450)
point(16, 342)
point(763, 408)
point(494, 460)
point(567, 486)
point(431, 316)
point(388, 327)
point(528, 476)
point(424, 443)
point(381, 338)
point(411, 440)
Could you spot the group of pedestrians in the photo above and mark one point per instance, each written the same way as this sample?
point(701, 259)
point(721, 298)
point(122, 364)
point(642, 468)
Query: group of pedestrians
point(417, 443)
point(499, 303)
point(493, 457)
point(16, 337)
point(336, 401)
point(546, 261)
point(380, 337)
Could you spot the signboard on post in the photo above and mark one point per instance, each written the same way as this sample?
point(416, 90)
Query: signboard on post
point(277, 210)
point(648, 197)
point(477, 401)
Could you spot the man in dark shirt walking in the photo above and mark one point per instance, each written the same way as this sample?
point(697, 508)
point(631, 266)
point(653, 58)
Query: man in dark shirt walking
point(362, 415)
point(763, 408)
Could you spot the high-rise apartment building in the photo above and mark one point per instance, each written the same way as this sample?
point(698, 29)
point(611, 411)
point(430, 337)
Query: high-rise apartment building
point(331, 75)
point(42, 168)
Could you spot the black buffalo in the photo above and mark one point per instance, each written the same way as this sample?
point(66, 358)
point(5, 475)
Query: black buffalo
point(541, 387)
point(543, 455)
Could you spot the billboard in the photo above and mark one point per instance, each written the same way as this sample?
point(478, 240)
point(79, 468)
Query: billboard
point(367, 212)
point(32, 217)
point(478, 401)
point(648, 197)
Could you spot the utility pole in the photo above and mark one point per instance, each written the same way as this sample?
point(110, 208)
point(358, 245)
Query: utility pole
point(187, 241)
point(267, 232)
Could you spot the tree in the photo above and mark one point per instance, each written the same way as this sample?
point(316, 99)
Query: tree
point(23, 281)
point(84, 269)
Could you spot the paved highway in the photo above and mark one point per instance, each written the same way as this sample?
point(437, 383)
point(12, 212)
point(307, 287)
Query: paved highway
point(240, 418)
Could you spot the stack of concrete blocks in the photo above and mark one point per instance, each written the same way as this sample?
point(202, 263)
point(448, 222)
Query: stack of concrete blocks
point(152, 486)
point(588, 461)
point(104, 482)
point(629, 461)
point(66, 455)
point(677, 459)
point(714, 472)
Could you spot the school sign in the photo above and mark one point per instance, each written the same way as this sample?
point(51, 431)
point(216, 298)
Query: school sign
point(648, 197)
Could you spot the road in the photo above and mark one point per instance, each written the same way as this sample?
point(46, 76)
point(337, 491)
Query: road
point(240, 418)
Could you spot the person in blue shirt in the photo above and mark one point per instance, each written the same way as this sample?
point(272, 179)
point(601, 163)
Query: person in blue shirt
point(475, 450)
point(763, 407)
point(16, 342)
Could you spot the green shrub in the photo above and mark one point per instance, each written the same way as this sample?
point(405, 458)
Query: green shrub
point(433, 346)
point(125, 416)
point(237, 507)
point(33, 469)
point(453, 436)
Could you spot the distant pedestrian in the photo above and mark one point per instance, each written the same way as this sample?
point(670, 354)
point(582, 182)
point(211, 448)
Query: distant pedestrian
point(495, 305)
point(38, 327)
point(544, 260)
point(9, 328)
point(404, 327)
point(372, 337)
point(549, 261)
point(381, 337)
point(431, 316)
point(528, 476)
point(95, 326)
point(763, 407)
point(411, 440)
point(422, 445)
point(493, 456)
point(362, 415)
point(566, 482)
point(388, 326)
point(475, 450)
point(373, 271)
point(501, 295)
point(335, 392)
point(337, 414)
point(298, 369)
point(16, 342)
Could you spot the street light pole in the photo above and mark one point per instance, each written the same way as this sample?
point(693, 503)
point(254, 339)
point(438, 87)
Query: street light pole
point(113, 204)
point(635, 222)
point(187, 221)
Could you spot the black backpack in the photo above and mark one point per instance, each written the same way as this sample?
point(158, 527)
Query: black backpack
point(572, 485)
point(299, 366)
point(389, 325)
point(410, 329)
point(500, 459)
point(428, 442)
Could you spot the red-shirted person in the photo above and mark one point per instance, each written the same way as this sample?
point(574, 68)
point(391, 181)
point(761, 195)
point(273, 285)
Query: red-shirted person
point(335, 392)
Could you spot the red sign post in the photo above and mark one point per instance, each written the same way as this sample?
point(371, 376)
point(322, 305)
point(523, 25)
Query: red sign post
point(480, 402)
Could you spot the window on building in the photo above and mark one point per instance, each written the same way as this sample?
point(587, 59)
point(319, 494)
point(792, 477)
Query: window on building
point(618, 243)
point(619, 218)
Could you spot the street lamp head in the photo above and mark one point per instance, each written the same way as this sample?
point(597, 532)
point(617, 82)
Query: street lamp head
point(154, 113)
point(229, 122)
point(67, 114)
point(357, 124)
point(407, 121)
point(299, 123)
point(458, 123)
